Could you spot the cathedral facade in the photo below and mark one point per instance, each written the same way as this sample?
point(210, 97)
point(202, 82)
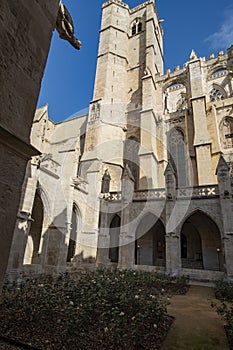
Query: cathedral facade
point(144, 180)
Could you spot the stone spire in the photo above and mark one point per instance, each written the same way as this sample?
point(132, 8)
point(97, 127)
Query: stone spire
point(193, 55)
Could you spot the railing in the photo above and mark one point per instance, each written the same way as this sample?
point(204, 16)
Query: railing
point(158, 193)
point(197, 192)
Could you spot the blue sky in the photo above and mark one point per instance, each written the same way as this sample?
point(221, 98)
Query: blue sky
point(67, 85)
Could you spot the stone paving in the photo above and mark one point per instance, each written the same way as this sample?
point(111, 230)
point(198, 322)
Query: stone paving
point(197, 325)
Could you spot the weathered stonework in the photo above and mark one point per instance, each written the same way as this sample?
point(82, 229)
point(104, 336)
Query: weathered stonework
point(25, 35)
point(159, 146)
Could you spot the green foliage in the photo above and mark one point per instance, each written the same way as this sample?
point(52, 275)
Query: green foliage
point(224, 290)
point(103, 310)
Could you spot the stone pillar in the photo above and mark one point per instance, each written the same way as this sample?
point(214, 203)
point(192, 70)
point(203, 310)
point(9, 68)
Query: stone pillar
point(225, 197)
point(103, 238)
point(202, 141)
point(173, 259)
point(127, 238)
point(54, 250)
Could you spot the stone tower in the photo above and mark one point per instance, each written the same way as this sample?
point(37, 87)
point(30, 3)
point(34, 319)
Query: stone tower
point(130, 54)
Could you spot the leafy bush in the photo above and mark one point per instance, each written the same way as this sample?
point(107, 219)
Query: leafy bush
point(224, 290)
point(101, 310)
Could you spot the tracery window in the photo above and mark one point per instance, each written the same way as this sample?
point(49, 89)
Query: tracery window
point(136, 27)
point(227, 133)
point(177, 156)
point(216, 94)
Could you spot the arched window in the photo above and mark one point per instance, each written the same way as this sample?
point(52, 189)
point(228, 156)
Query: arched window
point(131, 157)
point(177, 155)
point(217, 93)
point(227, 133)
point(34, 237)
point(175, 98)
point(139, 27)
point(134, 29)
point(73, 235)
point(136, 26)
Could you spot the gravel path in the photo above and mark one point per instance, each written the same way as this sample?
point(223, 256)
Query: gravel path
point(197, 326)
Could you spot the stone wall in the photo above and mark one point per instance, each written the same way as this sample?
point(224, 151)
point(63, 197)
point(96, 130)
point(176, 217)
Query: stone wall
point(25, 34)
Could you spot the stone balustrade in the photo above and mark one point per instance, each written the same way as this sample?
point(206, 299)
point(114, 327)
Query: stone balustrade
point(197, 192)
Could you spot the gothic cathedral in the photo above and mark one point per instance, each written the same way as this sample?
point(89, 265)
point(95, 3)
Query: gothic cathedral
point(144, 181)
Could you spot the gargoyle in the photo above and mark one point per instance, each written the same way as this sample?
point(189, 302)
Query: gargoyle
point(65, 27)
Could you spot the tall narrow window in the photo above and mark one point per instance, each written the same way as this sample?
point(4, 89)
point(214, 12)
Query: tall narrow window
point(177, 156)
point(134, 29)
point(33, 243)
point(73, 236)
point(139, 27)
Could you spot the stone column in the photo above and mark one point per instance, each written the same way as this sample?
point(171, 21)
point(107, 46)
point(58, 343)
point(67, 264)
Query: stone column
point(173, 259)
point(103, 238)
point(127, 238)
point(148, 157)
point(225, 197)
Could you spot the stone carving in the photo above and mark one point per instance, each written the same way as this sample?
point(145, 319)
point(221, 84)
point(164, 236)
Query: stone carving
point(105, 182)
point(182, 102)
point(80, 184)
point(94, 112)
point(227, 133)
point(65, 27)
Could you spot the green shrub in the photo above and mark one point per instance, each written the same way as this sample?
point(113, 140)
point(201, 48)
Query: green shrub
point(103, 310)
point(224, 290)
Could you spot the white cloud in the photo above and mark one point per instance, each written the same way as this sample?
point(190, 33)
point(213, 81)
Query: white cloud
point(223, 38)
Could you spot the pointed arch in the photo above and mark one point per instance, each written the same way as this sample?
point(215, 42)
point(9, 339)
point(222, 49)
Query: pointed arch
point(136, 26)
point(134, 29)
point(175, 98)
point(46, 201)
point(150, 241)
point(32, 250)
point(74, 233)
point(139, 27)
point(203, 248)
point(217, 92)
point(216, 71)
